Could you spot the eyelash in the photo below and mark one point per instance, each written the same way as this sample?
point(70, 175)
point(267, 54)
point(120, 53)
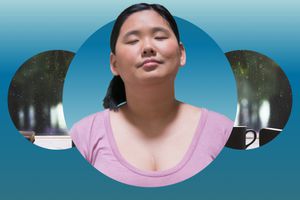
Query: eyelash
point(161, 38)
point(132, 41)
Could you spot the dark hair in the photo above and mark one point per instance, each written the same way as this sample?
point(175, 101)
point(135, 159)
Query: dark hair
point(115, 94)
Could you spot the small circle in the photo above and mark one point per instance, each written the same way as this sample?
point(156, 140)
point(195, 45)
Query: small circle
point(264, 99)
point(35, 99)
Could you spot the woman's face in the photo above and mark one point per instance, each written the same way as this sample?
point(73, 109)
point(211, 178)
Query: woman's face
point(146, 50)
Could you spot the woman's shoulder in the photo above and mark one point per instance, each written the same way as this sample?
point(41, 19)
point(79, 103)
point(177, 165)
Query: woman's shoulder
point(88, 130)
point(219, 120)
point(218, 117)
point(216, 129)
point(218, 124)
point(87, 126)
point(206, 113)
point(89, 120)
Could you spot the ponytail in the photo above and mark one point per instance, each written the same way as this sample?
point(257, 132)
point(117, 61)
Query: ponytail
point(115, 94)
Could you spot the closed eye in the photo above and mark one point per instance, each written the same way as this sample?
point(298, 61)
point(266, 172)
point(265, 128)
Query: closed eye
point(132, 41)
point(161, 38)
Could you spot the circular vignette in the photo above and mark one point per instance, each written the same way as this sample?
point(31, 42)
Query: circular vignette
point(264, 99)
point(205, 81)
point(35, 99)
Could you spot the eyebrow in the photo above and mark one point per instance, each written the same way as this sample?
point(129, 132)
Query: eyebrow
point(153, 30)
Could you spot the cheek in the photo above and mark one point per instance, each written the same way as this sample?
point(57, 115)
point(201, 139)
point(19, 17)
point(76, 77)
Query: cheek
point(170, 50)
point(126, 60)
point(126, 57)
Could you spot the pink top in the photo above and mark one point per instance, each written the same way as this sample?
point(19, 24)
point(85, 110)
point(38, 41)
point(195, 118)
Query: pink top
point(94, 139)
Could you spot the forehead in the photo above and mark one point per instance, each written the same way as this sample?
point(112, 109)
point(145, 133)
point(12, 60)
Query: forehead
point(144, 19)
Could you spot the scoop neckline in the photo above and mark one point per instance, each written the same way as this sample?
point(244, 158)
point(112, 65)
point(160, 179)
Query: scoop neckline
point(187, 156)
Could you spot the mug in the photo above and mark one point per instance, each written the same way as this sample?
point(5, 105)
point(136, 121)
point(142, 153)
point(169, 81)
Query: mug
point(267, 134)
point(237, 139)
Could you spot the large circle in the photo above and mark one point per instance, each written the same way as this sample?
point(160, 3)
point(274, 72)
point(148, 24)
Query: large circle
point(206, 81)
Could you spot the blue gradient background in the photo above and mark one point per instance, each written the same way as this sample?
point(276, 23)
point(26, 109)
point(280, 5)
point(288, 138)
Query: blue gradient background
point(270, 172)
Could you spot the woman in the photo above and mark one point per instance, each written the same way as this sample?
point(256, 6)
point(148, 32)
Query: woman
point(146, 137)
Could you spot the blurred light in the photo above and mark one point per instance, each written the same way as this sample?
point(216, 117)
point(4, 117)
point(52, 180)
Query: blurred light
point(264, 113)
point(31, 116)
point(61, 116)
point(57, 116)
point(21, 118)
point(237, 121)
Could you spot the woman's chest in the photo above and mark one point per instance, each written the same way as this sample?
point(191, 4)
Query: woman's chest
point(154, 153)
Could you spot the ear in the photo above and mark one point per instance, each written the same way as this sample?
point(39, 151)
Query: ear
point(182, 54)
point(113, 64)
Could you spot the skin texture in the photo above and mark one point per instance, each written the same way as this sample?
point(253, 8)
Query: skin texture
point(153, 130)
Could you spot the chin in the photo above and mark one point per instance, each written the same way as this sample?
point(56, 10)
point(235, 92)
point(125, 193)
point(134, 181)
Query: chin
point(155, 77)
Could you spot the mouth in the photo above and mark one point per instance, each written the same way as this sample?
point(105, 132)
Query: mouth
point(150, 63)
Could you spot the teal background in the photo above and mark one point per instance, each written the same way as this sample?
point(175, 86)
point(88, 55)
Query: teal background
point(270, 172)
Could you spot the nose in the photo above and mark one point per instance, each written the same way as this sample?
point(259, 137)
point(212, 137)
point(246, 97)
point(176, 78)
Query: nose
point(148, 51)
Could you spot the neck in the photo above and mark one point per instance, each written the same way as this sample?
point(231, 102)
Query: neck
point(152, 104)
